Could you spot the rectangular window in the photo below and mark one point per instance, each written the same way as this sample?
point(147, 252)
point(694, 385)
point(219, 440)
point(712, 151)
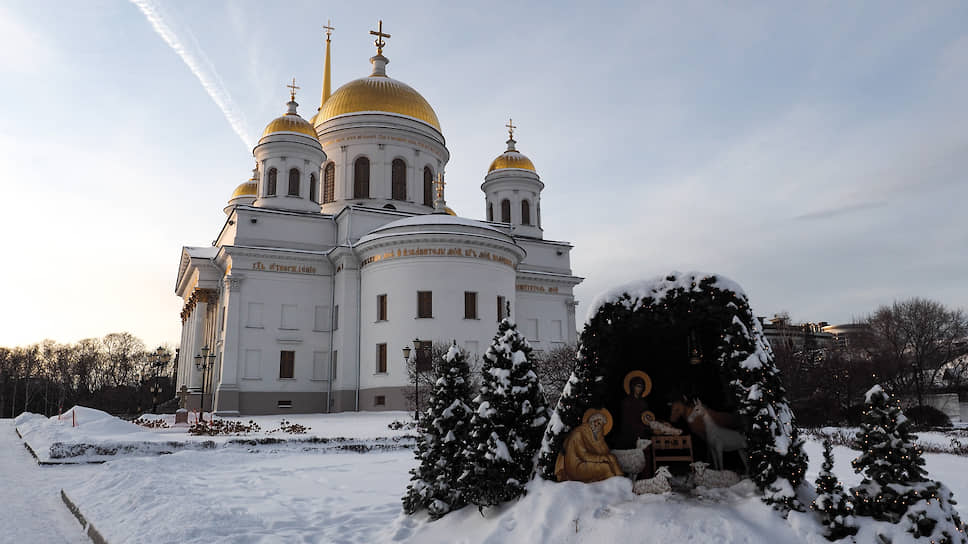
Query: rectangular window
point(470, 305)
point(335, 365)
point(556, 331)
point(425, 304)
point(336, 317)
point(284, 404)
point(470, 346)
point(380, 400)
point(320, 365)
point(287, 364)
point(381, 358)
point(531, 326)
point(321, 318)
point(288, 320)
point(501, 307)
point(381, 307)
point(253, 364)
point(254, 318)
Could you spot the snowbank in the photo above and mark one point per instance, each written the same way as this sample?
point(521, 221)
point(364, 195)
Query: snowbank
point(85, 434)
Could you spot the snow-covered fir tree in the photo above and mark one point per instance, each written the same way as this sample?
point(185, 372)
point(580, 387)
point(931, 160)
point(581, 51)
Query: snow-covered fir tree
point(895, 487)
point(833, 504)
point(509, 420)
point(443, 433)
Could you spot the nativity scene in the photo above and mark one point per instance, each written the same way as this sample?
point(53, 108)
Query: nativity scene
point(681, 369)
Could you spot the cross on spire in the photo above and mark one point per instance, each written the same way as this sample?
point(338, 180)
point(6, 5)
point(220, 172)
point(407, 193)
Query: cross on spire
point(292, 90)
point(379, 38)
point(328, 28)
point(511, 128)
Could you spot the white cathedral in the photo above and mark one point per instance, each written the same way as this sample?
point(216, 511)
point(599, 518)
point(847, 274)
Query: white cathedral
point(340, 251)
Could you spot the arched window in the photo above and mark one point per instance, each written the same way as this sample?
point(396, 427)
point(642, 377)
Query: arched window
point(525, 212)
point(271, 182)
point(505, 211)
point(398, 180)
point(313, 189)
point(490, 211)
point(294, 182)
point(428, 186)
point(361, 178)
point(329, 183)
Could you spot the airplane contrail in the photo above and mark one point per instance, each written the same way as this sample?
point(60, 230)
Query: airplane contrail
point(187, 48)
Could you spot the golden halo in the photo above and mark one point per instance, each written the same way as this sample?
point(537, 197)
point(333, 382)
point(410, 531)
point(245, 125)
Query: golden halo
point(592, 411)
point(638, 374)
point(648, 417)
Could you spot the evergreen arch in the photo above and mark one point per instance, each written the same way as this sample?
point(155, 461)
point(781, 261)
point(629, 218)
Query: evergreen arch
point(650, 326)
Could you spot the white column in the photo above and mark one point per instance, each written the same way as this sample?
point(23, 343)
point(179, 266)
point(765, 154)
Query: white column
point(198, 340)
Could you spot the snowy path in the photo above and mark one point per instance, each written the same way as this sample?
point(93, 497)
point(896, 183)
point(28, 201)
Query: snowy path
point(31, 509)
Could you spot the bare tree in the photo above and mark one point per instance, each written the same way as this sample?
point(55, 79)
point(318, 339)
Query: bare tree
point(912, 340)
point(123, 352)
point(553, 369)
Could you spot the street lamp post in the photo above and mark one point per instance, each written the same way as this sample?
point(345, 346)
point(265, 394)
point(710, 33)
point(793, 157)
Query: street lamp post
point(417, 345)
point(406, 361)
point(155, 389)
point(203, 362)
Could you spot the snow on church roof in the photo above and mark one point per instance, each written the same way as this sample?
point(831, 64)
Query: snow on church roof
point(658, 287)
point(430, 220)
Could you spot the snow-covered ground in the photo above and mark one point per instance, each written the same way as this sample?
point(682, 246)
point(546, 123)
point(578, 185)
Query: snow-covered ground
point(299, 493)
point(30, 505)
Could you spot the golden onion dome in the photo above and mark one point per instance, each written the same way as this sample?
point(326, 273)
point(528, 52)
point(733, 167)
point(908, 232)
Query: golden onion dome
point(378, 93)
point(511, 159)
point(249, 188)
point(290, 122)
point(449, 211)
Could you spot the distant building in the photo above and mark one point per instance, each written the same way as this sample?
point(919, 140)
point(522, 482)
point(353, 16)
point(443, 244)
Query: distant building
point(781, 332)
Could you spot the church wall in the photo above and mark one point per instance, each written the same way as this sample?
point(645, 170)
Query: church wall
point(290, 230)
point(546, 256)
point(346, 333)
point(544, 318)
point(447, 278)
point(277, 310)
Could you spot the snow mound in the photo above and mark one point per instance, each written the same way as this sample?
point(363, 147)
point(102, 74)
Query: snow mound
point(658, 287)
point(608, 511)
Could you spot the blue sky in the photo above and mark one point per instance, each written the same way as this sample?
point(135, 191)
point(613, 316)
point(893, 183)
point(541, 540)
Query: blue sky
point(814, 152)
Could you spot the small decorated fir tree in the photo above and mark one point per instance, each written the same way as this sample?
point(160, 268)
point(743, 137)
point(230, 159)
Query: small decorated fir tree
point(833, 504)
point(508, 423)
point(895, 487)
point(443, 432)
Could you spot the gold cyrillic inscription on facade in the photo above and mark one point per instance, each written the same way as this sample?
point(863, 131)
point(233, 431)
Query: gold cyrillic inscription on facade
point(537, 289)
point(438, 252)
point(289, 268)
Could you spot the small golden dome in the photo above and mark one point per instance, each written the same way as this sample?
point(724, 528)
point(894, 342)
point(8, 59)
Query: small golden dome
point(290, 122)
point(248, 188)
point(511, 159)
point(450, 211)
point(381, 94)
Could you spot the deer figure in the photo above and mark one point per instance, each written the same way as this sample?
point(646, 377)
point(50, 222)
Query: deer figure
point(703, 422)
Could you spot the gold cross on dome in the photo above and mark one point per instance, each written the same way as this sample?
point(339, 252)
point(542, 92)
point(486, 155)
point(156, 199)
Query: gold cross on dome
point(511, 128)
point(292, 90)
point(379, 38)
point(328, 28)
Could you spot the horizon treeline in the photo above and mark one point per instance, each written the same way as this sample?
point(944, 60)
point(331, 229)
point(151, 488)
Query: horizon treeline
point(115, 373)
